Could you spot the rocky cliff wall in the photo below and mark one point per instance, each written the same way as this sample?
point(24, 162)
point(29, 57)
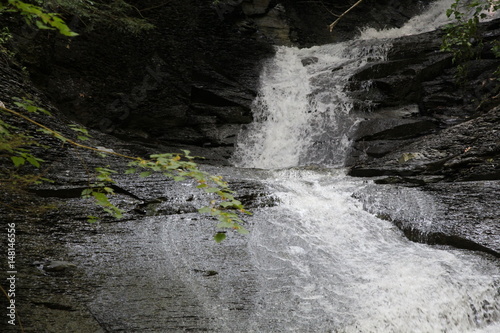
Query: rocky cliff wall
point(192, 79)
point(420, 124)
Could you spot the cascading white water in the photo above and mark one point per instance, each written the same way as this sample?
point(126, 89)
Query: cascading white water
point(325, 264)
point(301, 115)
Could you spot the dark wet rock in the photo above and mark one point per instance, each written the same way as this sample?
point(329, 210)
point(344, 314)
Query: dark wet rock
point(274, 25)
point(309, 20)
point(468, 213)
point(88, 284)
point(467, 151)
point(255, 7)
point(393, 129)
point(77, 277)
point(460, 214)
point(416, 180)
point(196, 72)
point(308, 61)
point(207, 273)
point(441, 128)
point(189, 85)
point(422, 129)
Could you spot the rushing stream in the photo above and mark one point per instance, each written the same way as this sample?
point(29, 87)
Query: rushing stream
point(323, 263)
point(316, 260)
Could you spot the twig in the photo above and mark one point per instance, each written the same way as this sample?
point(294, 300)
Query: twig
point(331, 26)
point(154, 7)
point(64, 139)
point(328, 10)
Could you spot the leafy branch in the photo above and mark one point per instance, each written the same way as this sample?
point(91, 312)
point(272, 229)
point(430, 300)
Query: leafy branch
point(38, 16)
point(462, 37)
point(334, 23)
point(114, 14)
point(177, 166)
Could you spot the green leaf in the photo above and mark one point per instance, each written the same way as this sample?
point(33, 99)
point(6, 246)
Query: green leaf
point(205, 209)
point(86, 192)
point(129, 171)
point(225, 225)
point(101, 198)
point(18, 161)
point(243, 231)
point(108, 190)
point(228, 196)
point(145, 174)
point(219, 237)
point(78, 128)
point(47, 180)
point(237, 204)
point(92, 219)
point(59, 136)
point(34, 161)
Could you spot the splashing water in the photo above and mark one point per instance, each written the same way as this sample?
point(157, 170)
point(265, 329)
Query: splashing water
point(433, 17)
point(302, 112)
point(324, 263)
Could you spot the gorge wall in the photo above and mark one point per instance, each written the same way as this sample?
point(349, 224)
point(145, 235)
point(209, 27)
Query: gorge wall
point(192, 79)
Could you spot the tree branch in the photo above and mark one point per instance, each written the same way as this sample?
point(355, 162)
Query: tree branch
point(63, 138)
point(331, 26)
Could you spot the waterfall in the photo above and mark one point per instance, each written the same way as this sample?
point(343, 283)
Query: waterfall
point(302, 113)
point(301, 116)
point(323, 263)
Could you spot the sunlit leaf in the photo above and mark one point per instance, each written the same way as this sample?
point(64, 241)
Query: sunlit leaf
point(225, 225)
point(243, 231)
point(92, 219)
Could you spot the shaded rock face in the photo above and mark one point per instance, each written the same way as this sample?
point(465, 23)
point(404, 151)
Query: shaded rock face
point(309, 20)
point(193, 78)
point(421, 128)
point(419, 123)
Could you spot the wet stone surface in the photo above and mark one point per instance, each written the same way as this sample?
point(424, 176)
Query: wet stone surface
point(153, 271)
point(470, 212)
point(459, 214)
